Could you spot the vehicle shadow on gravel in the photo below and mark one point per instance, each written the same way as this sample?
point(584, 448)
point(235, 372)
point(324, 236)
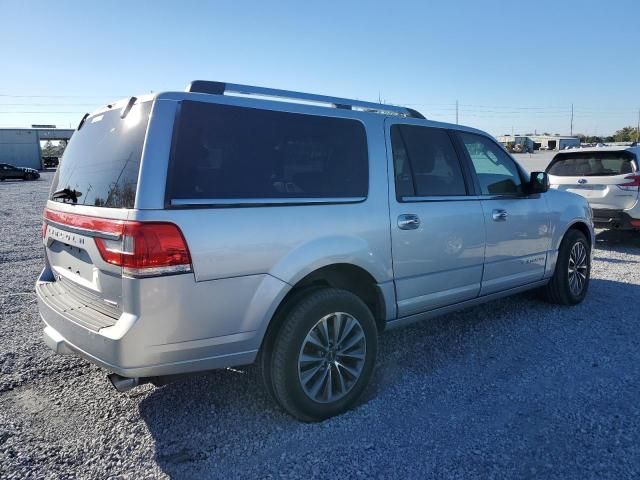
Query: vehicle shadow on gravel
point(455, 376)
point(617, 240)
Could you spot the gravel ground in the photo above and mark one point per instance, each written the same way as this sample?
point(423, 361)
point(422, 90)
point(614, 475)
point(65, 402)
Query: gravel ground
point(516, 388)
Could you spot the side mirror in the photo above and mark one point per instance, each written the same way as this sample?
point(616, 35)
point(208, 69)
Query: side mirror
point(538, 182)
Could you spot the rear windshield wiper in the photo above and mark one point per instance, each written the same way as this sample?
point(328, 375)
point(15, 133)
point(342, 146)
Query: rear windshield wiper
point(82, 121)
point(66, 194)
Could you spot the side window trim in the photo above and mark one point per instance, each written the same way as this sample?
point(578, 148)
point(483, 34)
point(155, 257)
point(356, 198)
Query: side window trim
point(471, 180)
point(213, 202)
point(469, 184)
point(409, 162)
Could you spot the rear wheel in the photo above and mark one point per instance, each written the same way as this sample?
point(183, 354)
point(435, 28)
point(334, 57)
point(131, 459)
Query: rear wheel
point(570, 281)
point(323, 355)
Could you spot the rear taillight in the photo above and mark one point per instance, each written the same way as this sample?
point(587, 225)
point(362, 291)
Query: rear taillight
point(633, 184)
point(44, 230)
point(147, 249)
point(142, 249)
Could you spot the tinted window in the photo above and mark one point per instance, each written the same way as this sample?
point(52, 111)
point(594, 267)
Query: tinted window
point(496, 171)
point(229, 152)
point(425, 162)
point(102, 160)
point(585, 164)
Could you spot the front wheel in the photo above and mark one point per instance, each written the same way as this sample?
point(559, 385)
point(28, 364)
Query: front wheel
point(570, 281)
point(324, 355)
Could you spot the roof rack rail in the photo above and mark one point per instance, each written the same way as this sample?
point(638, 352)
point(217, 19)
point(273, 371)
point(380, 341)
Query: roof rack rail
point(220, 88)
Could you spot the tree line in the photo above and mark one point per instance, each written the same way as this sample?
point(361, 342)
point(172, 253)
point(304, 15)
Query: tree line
point(626, 134)
point(51, 150)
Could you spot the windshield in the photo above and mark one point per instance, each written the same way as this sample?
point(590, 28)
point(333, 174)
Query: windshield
point(102, 162)
point(588, 164)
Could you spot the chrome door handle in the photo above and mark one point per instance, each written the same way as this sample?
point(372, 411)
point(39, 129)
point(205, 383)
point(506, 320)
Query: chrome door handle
point(408, 221)
point(499, 215)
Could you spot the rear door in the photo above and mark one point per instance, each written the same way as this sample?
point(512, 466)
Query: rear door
point(603, 178)
point(517, 224)
point(437, 225)
point(96, 180)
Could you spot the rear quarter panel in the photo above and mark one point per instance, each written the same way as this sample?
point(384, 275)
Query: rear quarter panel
point(286, 242)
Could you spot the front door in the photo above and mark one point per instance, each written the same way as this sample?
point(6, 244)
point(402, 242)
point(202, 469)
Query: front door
point(517, 224)
point(437, 224)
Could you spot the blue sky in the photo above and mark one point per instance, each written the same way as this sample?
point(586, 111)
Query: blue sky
point(511, 65)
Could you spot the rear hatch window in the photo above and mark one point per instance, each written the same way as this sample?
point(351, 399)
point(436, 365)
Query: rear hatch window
point(102, 162)
point(605, 179)
point(591, 164)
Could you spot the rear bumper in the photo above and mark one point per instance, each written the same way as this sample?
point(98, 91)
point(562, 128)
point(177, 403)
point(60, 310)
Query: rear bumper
point(614, 219)
point(62, 346)
point(187, 327)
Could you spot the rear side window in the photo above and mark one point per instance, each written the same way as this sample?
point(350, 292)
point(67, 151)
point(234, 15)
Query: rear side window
point(497, 173)
point(586, 164)
point(425, 162)
point(228, 152)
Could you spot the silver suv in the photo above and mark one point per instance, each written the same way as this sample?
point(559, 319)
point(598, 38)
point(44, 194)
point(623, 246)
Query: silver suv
point(187, 231)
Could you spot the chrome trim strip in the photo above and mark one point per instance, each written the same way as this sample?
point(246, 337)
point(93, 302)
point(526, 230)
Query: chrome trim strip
point(155, 271)
point(452, 198)
point(83, 231)
point(230, 202)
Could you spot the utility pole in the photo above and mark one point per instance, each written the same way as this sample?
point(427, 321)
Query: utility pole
point(571, 134)
point(638, 129)
point(456, 112)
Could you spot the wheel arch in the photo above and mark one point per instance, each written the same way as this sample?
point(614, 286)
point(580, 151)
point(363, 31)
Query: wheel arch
point(582, 227)
point(344, 276)
point(578, 224)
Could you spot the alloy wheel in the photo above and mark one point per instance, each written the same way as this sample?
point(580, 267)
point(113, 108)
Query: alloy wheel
point(332, 357)
point(578, 267)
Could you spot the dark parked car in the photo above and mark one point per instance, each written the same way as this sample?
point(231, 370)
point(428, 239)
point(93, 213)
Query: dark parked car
point(10, 172)
point(50, 162)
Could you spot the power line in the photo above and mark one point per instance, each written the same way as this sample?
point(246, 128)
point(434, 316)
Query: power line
point(61, 96)
point(75, 113)
point(48, 104)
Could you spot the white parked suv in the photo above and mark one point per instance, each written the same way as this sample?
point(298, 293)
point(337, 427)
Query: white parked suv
point(608, 177)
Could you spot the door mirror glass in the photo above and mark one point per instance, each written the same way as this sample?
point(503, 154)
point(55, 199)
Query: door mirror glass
point(538, 182)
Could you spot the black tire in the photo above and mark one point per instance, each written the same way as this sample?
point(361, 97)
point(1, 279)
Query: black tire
point(28, 176)
point(559, 290)
point(264, 359)
point(283, 361)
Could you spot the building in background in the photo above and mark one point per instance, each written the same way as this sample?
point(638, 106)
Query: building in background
point(529, 143)
point(554, 142)
point(21, 147)
point(517, 143)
